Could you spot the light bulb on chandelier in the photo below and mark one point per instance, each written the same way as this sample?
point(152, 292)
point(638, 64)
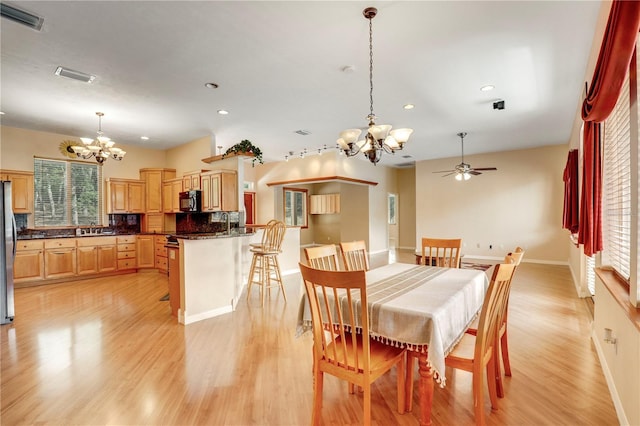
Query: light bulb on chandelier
point(379, 137)
point(101, 147)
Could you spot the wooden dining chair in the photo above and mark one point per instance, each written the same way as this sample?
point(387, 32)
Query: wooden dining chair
point(265, 263)
point(441, 252)
point(477, 353)
point(323, 257)
point(514, 257)
point(354, 256)
point(342, 350)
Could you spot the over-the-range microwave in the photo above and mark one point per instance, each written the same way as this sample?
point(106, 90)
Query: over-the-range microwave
point(190, 201)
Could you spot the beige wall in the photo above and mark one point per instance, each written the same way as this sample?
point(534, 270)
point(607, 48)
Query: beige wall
point(406, 208)
point(520, 204)
point(188, 157)
point(19, 146)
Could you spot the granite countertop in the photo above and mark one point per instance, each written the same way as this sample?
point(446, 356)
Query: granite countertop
point(51, 237)
point(213, 235)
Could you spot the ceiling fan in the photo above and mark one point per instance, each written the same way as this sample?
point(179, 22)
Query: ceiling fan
point(463, 170)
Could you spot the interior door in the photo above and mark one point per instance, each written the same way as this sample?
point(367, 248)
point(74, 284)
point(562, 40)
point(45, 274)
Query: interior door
point(249, 207)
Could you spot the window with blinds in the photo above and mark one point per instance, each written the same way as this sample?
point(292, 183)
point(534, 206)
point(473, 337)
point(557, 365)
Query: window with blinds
point(616, 186)
point(66, 193)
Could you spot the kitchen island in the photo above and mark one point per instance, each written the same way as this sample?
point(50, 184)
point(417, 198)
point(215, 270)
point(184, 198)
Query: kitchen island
point(214, 270)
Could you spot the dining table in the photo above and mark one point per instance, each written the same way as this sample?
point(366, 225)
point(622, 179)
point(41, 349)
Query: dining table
point(425, 309)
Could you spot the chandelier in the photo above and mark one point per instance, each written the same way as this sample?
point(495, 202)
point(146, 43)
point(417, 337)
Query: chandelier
point(101, 147)
point(379, 138)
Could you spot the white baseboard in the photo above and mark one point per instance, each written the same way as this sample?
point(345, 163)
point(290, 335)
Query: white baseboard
point(622, 417)
point(189, 319)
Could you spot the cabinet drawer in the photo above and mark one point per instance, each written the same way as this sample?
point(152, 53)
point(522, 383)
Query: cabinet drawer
point(161, 263)
point(161, 251)
point(126, 264)
point(126, 254)
point(95, 241)
point(29, 245)
point(127, 247)
point(126, 239)
point(60, 243)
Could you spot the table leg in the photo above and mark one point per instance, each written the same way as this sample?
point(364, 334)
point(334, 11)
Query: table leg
point(425, 387)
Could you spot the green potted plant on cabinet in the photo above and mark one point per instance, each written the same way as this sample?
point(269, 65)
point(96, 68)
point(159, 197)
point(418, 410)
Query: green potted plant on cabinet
point(245, 147)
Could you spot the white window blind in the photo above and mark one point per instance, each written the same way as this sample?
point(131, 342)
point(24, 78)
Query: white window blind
point(67, 193)
point(616, 186)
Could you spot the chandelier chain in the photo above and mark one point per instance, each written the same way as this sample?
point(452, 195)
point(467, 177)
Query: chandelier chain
point(371, 68)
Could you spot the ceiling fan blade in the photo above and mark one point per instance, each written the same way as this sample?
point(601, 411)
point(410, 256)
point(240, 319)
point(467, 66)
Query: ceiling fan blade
point(474, 172)
point(449, 174)
point(484, 168)
point(445, 171)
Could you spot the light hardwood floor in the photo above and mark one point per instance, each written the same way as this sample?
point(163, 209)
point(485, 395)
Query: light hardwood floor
point(107, 351)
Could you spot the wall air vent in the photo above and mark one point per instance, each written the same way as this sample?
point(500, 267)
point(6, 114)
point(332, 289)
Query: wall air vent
point(76, 75)
point(21, 17)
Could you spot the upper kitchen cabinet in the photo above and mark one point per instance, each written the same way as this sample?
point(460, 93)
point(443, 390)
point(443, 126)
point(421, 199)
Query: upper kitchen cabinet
point(21, 189)
point(219, 191)
point(192, 180)
point(153, 179)
point(324, 204)
point(171, 195)
point(125, 196)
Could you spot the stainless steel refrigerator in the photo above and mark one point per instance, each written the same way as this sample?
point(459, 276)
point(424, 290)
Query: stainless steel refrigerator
point(7, 253)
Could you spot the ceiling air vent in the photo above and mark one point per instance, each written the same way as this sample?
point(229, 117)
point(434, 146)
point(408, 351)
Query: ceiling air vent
point(76, 75)
point(303, 132)
point(406, 165)
point(21, 17)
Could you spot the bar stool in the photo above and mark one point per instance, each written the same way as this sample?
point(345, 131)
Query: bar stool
point(265, 261)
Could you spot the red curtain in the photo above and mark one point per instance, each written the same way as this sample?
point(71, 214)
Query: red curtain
point(616, 50)
point(570, 211)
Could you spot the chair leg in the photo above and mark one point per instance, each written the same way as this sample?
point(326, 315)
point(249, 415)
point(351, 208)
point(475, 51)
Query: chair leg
point(252, 271)
point(408, 382)
point(497, 375)
point(367, 403)
point(478, 393)
point(491, 372)
point(317, 393)
point(279, 276)
point(401, 373)
point(505, 353)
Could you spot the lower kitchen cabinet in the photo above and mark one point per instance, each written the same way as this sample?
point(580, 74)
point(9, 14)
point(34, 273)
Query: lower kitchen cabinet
point(107, 258)
point(145, 253)
point(59, 258)
point(87, 260)
point(126, 252)
point(161, 253)
point(28, 264)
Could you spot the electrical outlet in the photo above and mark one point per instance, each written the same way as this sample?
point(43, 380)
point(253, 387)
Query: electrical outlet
point(490, 246)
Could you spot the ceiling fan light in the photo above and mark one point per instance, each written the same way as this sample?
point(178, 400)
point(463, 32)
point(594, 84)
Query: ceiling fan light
point(459, 176)
point(379, 131)
point(466, 176)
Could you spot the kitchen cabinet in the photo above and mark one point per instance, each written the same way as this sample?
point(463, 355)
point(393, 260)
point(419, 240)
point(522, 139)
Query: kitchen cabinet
point(126, 252)
point(173, 254)
point(324, 204)
point(125, 196)
point(192, 180)
point(160, 253)
point(59, 258)
point(219, 191)
point(153, 222)
point(21, 189)
point(145, 254)
point(171, 190)
point(28, 264)
point(95, 255)
point(153, 179)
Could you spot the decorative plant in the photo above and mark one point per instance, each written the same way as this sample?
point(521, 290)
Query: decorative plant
point(245, 147)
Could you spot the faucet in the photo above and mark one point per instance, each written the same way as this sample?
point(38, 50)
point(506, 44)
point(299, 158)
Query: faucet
point(228, 223)
point(91, 225)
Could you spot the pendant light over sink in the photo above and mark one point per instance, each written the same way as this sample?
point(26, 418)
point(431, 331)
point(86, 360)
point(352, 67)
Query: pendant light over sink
point(379, 137)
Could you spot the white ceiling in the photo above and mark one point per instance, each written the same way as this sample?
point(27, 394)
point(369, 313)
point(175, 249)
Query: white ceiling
point(279, 68)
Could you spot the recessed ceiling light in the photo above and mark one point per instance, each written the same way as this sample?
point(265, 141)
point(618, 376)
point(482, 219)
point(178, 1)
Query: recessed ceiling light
point(409, 106)
point(144, 138)
point(211, 85)
point(223, 112)
point(21, 17)
point(1, 112)
point(487, 88)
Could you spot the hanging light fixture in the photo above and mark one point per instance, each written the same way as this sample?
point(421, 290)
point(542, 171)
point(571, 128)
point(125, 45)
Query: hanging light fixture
point(379, 137)
point(101, 147)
